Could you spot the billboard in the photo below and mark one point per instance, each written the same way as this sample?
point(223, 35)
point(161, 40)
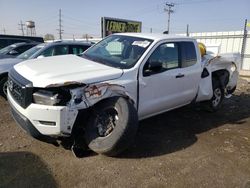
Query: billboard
point(115, 25)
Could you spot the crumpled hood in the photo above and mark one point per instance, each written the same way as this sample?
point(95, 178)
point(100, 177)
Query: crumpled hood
point(60, 70)
point(7, 64)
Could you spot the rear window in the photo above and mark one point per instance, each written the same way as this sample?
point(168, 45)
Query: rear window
point(188, 54)
point(78, 49)
point(7, 49)
point(6, 42)
point(55, 50)
point(24, 48)
point(28, 54)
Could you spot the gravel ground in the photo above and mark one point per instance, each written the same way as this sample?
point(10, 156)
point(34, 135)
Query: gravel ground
point(188, 147)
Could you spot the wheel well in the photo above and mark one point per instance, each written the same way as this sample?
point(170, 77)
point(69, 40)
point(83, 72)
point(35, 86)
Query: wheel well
point(125, 97)
point(3, 75)
point(83, 114)
point(221, 76)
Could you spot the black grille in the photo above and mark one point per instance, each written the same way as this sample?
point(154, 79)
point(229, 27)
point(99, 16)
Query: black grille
point(15, 90)
point(20, 89)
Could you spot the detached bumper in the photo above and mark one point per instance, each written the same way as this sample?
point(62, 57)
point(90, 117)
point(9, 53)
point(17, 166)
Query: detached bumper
point(43, 122)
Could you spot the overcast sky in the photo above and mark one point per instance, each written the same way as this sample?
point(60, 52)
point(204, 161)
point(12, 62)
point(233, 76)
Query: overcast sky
point(84, 16)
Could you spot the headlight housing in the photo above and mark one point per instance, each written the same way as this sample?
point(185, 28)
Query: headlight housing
point(46, 98)
point(50, 97)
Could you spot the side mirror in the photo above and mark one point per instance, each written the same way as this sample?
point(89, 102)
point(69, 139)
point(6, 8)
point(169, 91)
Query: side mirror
point(13, 52)
point(40, 56)
point(152, 68)
point(155, 66)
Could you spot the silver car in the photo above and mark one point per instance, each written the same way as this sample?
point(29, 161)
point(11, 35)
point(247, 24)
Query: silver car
point(39, 51)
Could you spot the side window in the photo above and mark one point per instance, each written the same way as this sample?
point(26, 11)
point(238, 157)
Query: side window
point(188, 54)
point(48, 52)
point(61, 50)
point(55, 50)
point(165, 57)
point(78, 49)
point(22, 49)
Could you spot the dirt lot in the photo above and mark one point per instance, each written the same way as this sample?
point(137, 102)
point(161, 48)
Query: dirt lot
point(188, 147)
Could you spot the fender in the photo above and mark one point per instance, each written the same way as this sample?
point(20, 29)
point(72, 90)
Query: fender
point(85, 97)
point(226, 72)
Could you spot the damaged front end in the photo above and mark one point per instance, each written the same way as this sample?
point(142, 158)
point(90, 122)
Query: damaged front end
point(222, 69)
point(75, 97)
point(225, 70)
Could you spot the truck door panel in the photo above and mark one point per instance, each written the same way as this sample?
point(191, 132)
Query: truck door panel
point(166, 83)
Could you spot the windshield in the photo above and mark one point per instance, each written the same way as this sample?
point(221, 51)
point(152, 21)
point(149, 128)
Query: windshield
point(7, 49)
point(118, 51)
point(27, 54)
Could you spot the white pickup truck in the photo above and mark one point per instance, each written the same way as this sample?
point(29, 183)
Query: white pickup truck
point(100, 96)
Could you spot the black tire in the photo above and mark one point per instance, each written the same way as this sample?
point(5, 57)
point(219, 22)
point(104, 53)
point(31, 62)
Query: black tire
point(215, 102)
point(118, 122)
point(3, 87)
point(231, 91)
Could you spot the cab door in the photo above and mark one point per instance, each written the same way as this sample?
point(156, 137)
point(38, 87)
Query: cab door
point(167, 80)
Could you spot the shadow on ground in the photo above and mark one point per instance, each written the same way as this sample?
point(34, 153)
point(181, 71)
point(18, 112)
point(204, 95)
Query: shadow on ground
point(177, 129)
point(24, 169)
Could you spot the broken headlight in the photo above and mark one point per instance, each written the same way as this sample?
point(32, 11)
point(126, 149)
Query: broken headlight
point(51, 98)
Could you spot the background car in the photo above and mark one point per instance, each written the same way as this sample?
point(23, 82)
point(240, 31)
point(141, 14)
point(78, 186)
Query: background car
point(16, 49)
point(39, 51)
point(6, 40)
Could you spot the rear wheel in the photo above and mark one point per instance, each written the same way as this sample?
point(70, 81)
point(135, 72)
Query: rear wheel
point(112, 127)
point(3, 86)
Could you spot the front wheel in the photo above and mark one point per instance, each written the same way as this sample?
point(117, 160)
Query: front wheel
point(216, 101)
point(112, 127)
point(3, 86)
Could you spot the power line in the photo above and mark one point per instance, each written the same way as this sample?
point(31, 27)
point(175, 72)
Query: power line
point(195, 2)
point(68, 23)
point(77, 20)
point(169, 11)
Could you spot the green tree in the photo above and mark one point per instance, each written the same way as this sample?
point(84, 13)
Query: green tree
point(49, 37)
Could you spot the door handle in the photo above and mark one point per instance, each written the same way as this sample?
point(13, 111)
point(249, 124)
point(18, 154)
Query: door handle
point(179, 75)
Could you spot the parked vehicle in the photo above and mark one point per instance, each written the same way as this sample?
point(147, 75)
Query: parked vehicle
point(6, 40)
point(39, 51)
point(100, 96)
point(16, 49)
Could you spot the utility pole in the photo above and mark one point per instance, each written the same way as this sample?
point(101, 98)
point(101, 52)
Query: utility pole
point(4, 30)
point(21, 27)
point(169, 11)
point(60, 31)
point(243, 45)
point(187, 30)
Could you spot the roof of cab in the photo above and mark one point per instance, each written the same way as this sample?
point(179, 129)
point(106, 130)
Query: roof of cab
point(68, 42)
point(154, 36)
